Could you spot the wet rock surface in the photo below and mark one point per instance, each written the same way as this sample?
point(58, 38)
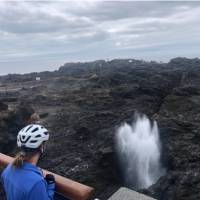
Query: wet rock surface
point(83, 104)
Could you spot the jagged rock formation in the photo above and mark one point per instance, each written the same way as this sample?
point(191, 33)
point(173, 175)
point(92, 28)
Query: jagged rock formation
point(82, 104)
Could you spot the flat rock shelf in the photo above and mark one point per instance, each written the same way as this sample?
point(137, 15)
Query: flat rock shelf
point(127, 194)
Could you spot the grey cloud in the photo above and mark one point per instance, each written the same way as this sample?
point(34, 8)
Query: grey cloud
point(18, 18)
point(56, 32)
point(130, 9)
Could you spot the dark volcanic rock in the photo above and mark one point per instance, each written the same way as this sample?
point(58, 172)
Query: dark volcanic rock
point(3, 106)
point(82, 104)
point(11, 121)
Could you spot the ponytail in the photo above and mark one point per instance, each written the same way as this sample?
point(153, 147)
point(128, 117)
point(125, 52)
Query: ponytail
point(24, 155)
point(19, 159)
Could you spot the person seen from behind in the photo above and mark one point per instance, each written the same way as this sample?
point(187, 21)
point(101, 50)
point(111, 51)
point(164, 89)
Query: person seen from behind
point(22, 179)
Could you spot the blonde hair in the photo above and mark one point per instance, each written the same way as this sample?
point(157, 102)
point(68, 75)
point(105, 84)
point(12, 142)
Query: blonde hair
point(21, 157)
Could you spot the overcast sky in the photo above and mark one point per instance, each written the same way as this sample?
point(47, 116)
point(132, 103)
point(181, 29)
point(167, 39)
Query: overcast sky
point(38, 36)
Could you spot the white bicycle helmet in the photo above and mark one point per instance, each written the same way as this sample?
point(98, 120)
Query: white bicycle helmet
point(32, 136)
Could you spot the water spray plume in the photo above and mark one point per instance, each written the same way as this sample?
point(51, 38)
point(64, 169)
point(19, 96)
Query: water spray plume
point(139, 152)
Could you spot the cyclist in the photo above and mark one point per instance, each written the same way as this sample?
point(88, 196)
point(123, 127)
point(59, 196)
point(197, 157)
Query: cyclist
point(22, 179)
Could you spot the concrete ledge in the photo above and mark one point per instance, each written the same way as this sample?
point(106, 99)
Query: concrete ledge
point(127, 194)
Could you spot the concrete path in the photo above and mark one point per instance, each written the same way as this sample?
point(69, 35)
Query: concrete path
point(127, 194)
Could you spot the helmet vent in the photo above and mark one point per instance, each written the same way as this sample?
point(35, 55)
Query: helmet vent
point(46, 133)
point(37, 136)
point(22, 139)
point(28, 128)
point(33, 141)
point(35, 129)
